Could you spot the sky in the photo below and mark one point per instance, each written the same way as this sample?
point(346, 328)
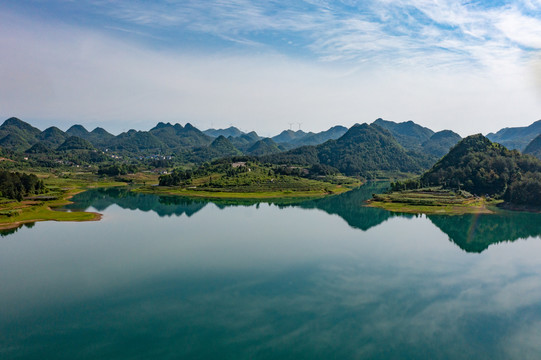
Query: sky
point(468, 66)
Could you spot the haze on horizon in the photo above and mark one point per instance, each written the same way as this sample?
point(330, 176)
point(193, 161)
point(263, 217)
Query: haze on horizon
point(468, 66)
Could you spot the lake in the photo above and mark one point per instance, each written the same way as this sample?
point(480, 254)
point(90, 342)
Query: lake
point(174, 278)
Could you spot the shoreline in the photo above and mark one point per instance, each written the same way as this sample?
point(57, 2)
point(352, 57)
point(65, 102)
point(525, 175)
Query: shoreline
point(432, 202)
point(34, 210)
point(261, 195)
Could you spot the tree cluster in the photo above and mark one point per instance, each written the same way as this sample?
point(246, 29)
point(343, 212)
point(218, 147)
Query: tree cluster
point(15, 185)
point(484, 168)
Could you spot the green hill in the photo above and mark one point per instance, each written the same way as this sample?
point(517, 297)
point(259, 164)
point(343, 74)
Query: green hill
point(15, 142)
point(167, 134)
point(244, 141)
point(190, 136)
point(264, 147)
point(220, 147)
point(408, 134)
point(38, 148)
point(17, 135)
point(136, 142)
point(362, 150)
point(100, 137)
point(79, 131)
point(75, 143)
point(440, 143)
point(52, 137)
point(482, 167)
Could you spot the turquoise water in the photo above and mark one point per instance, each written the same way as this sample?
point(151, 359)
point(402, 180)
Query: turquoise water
point(172, 278)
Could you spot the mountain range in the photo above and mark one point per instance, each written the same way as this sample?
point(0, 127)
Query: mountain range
point(380, 146)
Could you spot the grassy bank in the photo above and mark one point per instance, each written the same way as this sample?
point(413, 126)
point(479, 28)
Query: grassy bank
point(232, 194)
point(42, 208)
point(433, 201)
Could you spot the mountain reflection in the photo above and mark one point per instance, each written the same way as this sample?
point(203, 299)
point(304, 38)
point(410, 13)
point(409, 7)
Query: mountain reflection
point(475, 233)
point(472, 233)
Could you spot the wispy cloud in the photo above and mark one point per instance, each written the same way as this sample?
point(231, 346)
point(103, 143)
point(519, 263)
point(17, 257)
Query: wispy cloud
point(262, 64)
point(431, 32)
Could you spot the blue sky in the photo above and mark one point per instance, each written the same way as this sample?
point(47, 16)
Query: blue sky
point(471, 66)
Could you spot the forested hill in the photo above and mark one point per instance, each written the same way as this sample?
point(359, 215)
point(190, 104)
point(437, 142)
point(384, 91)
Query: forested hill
point(482, 167)
point(408, 134)
point(361, 150)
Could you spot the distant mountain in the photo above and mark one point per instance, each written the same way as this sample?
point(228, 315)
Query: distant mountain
point(264, 147)
point(220, 147)
point(516, 137)
point(100, 137)
point(230, 131)
point(244, 141)
point(291, 139)
point(168, 134)
point(319, 138)
point(361, 150)
point(440, 143)
point(408, 134)
point(52, 137)
point(534, 147)
point(78, 130)
point(75, 143)
point(190, 136)
point(136, 141)
point(290, 136)
point(17, 135)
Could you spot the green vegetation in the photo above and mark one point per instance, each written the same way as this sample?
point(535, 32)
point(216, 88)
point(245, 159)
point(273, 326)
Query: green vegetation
point(246, 178)
point(440, 143)
point(53, 192)
point(480, 167)
point(408, 134)
point(75, 143)
point(18, 185)
point(361, 151)
point(432, 201)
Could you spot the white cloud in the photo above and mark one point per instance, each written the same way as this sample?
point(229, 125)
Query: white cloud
point(55, 73)
point(521, 29)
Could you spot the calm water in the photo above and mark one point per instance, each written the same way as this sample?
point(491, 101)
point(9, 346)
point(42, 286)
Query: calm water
point(171, 278)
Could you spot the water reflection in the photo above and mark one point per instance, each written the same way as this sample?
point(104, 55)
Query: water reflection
point(277, 282)
point(475, 233)
point(472, 233)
